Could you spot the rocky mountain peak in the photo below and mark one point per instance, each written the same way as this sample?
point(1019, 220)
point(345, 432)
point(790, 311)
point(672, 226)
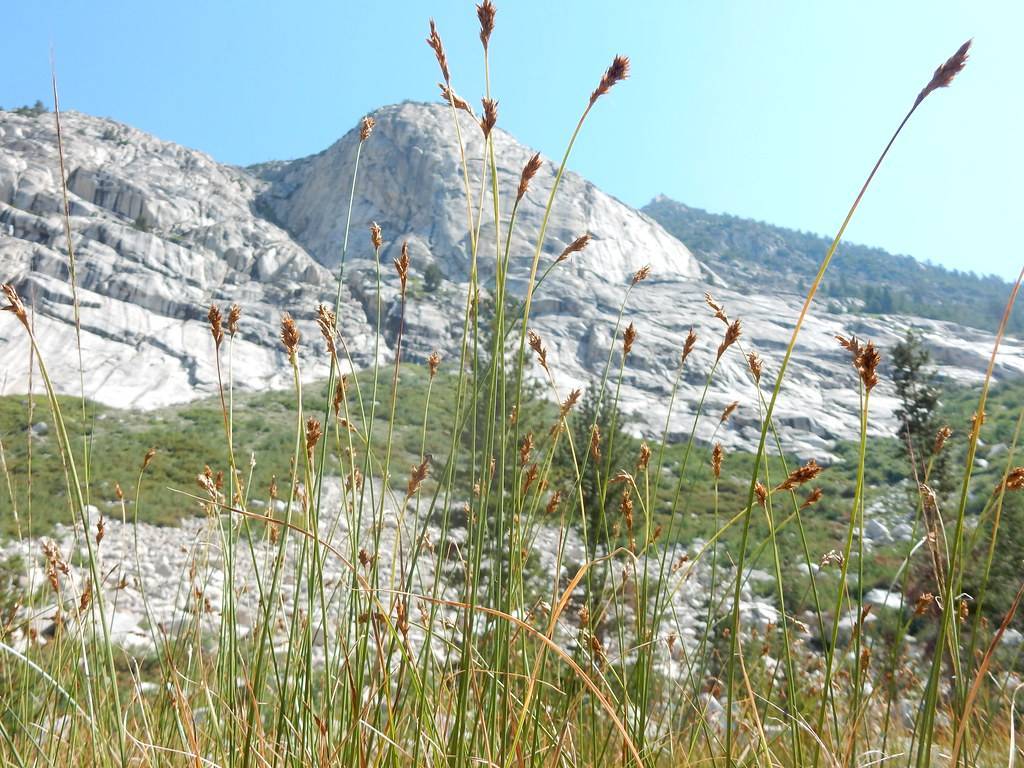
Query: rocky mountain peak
point(161, 231)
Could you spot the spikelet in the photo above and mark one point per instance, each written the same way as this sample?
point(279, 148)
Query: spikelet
point(762, 494)
point(313, 433)
point(434, 41)
point(732, 335)
point(719, 310)
point(490, 118)
point(339, 394)
point(366, 128)
point(1015, 479)
point(852, 345)
point(941, 437)
point(867, 365)
point(14, 304)
point(553, 502)
point(529, 476)
point(289, 335)
point(944, 75)
point(812, 498)
point(645, 456)
point(617, 72)
point(402, 265)
point(626, 507)
point(728, 411)
point(755, 365)
point(575, 246)
point(216, 325)
point(433, 362)
point(688, 345)
point(595, 442)
point(716, 460)
point(538, 347)
point(375, 236)
point(452, 98)
point(529, 171)
point(417, 476)
point(628, 337)
point(641, 274)
point(148, 458)
point(525, 449)
point(569, 403)
point(800, 475)
point(486, 12)
point(326, 320)
point(234, 313)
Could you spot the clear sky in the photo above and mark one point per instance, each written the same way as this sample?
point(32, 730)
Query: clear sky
point(769, 110)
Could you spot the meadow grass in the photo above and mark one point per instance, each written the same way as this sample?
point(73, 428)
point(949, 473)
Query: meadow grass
point(457, 563)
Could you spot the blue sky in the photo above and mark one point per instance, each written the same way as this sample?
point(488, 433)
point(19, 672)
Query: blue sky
point(769, 110)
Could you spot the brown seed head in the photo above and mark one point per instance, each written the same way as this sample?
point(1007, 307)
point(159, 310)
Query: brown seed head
point(538, 347)
point(553, 502)
point(101, 529)
point(233, 315)
point(626, 507)
point(941, 437)
point(924, 602)
point(148, 458)
point(486, 12)
point(570, 402)
point(433, 362)
point(339, 394)
point(718, 309)
point(852, 345)
point(375, 236)
point(755, 365)
point(867, 365)
point(800, 475)
point(216, 327)
point(327, 321)
point(490, 118)
point(595, 442)
point(525, 449)
point(716, 460)
point(645, 456)
point(688, 345)
point(529, 171)
point(402, 265)
point(416, 478)
point(434, 41)
point(313, 433)
point(729, 410)
point(575, 246)
point(618, 71)
point(452, 98)
point(762, 494)
point(732, 335)
point(14, 304)
point(812, 498)
point(529, 476)
point(289, 335)
point(944, 75)
point(641, 274)
point(1015, 479)
point(628, 337)
point(366, 128)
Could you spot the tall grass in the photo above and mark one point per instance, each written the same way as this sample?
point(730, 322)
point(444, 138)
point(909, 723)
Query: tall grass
point(523, 595)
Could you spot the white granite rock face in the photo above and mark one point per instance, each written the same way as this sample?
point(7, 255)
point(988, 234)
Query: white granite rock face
point(160, 231)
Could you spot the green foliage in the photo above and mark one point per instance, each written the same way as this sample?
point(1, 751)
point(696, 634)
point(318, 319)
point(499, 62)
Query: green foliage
point(917, 388)
point(748, 252)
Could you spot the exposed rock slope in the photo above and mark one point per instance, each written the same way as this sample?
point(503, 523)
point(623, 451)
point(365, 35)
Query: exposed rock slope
point(160, 231)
